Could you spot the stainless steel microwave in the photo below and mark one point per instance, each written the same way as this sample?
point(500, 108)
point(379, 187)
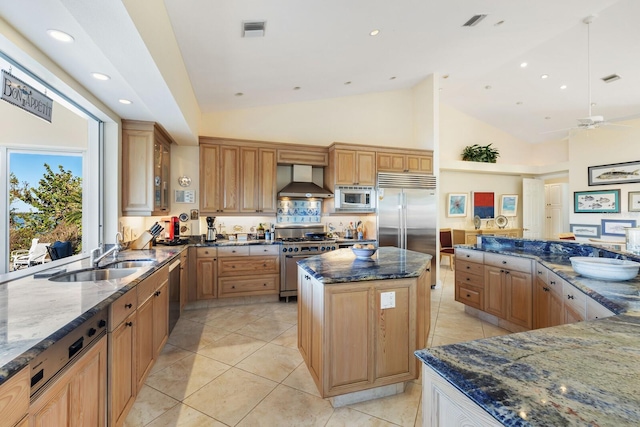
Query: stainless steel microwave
point(355, 199)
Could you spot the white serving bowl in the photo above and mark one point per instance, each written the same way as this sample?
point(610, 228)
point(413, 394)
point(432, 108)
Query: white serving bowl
point(605, 268)
point(364, 253)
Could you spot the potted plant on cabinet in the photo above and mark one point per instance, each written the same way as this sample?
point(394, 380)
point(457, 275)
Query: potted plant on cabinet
point(478, 153)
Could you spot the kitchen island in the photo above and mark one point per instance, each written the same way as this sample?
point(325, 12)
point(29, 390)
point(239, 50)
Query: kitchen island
point(582, 373)
point(359, 321)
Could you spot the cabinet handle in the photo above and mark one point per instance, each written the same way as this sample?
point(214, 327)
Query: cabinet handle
point(546, 289)
point(129, 323)
point(128, 305)
point(569, 296)
point(264, 284)
point(233, 251)
point(468, 279)
point(468, 296)
point(264, 265)
point(233, 266)
point(157, 293)
point(468, 256)
point(233, 287)
point(468, 268)
point(506, 272)
point(553, 282)
point(504, 262)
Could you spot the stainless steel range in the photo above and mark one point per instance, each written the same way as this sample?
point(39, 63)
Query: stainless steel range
point(299, 242)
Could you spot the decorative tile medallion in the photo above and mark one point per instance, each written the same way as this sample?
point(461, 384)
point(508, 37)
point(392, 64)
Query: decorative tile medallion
point(299, 211)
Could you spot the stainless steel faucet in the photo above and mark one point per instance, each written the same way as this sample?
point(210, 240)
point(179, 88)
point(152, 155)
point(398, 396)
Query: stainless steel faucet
point(96, 255)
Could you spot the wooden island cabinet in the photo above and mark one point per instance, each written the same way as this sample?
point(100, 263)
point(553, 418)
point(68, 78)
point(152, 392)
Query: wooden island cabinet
point(360, 333)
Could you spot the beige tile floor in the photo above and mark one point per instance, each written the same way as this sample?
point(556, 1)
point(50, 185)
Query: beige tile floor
point(239, 365)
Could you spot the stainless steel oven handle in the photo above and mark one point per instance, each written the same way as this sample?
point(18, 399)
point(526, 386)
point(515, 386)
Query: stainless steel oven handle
point(299, 256)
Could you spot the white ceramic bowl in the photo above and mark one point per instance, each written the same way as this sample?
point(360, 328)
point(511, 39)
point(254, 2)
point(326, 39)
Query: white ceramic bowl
point(364, 253)
point(605, 268)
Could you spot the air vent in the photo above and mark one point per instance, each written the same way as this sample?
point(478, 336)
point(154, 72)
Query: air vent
point(475, 20)
point(611, 78)
point(253, 28)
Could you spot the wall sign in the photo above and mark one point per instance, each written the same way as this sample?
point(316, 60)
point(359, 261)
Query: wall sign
point(20, 94)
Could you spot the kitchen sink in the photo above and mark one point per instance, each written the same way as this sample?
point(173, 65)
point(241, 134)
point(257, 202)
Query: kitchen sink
point(132, 263)
point(92, 275)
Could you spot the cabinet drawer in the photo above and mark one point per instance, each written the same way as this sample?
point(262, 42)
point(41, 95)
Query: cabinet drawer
point(470, 278)
point(508, 262)
point(597, 311)
point(574, 298)
point(233, 251)
point(469, 267)
point(121, 308)
point(542, 272)
point(555, 282)
point(239, 266)
point(149, 285)
point(259, 285)
point(469, 255)
point(264, 250)
point(210, 252)
point(470, 295)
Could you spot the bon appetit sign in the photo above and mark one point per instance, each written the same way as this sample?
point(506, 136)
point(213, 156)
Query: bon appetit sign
point(20, 94)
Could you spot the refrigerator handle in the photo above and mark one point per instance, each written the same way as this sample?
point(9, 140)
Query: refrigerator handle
point(404, 220)
point(400, 223)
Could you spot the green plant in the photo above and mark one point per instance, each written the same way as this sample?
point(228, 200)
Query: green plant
point(478, 153)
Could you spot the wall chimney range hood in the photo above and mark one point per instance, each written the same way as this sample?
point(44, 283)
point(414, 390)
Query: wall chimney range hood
point(303, 186)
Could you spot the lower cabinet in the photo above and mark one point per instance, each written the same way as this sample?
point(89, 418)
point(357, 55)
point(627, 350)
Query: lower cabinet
point(152, 330)
point(122, 375)
point(547, 305)
point(14, 399)
point(206, 278)
point(77, 397)
point(248, 270)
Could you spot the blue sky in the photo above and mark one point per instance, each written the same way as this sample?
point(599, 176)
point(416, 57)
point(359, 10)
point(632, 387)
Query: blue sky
point(29, 167)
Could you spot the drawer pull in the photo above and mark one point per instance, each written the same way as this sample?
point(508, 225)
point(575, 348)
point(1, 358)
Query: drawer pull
point(468, 256)
point(264, 284)
point(264, 265)
point(233, 266)
point(553, 282)
point(157, 293)
point(233, 287)
point(468, 267)
point(233, 251)
point(546, 289)
point(468, 279)
point(128, 305)
point(468, 296)
point(129, 323)
point(504, 262)
point(569, 296)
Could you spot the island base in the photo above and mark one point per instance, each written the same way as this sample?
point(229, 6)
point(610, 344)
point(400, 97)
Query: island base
point(370, 394)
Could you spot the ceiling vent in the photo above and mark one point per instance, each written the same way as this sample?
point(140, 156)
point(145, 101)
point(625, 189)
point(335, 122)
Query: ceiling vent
point(253, 28)
point(611, 78)
point(475, 20)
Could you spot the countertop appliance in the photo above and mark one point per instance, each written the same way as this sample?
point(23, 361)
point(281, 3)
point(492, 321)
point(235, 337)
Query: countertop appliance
point(355, 199)
point(298, 242)
point(407, 213)
point(211, 229)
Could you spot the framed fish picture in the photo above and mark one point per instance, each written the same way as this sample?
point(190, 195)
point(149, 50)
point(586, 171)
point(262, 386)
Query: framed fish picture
point(615, 173)
point(603, 201)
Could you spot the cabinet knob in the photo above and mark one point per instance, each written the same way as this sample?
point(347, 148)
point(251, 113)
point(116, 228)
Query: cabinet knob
point(233, 251)
point(506, 272)
point(468, 279)
point(264, 265)
point(468, 268)
point(233, 287)
point(468, 296)
point(504, 262)
point(233, 266)
point(553, 282)
point(569, 296)
point(157, 293)
point(546, 289)
point(468, 256)
point(264, 284)
point(128, 305)
point(129, 323)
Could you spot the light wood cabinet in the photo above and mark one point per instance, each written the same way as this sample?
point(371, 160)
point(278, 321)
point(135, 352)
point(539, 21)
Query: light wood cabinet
point(351, 167)
point(547, 300)
point(304, 155)
point(14, 398)
point(77, 397)
point(121, 337)
point(258, 173)
point(146, 151)
point(206, 273)
point(248, 270)
point(152, 327)
point(469, 278)
point(219, 179)
point(397, 162)
point(595, 310)
point(350, 343)
point(574, 303)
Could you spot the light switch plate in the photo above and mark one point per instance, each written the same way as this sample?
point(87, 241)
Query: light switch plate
point(387, 300)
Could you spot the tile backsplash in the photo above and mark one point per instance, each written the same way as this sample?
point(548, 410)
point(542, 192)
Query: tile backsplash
point(299, 211)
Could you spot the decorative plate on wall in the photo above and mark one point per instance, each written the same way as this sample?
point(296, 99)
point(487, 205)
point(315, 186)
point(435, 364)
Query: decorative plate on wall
point(501, 221)
point(184, 181)
point(477, 222)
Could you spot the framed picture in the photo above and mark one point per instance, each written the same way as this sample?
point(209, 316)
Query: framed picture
point(615, 227)
point(509, 204)
point(615, 173)
point(483, 205)
point(634, 201)
point(457, 204)
point(603, 201)
point(585, 230)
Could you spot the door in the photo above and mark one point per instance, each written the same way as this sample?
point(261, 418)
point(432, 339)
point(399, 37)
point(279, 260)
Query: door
point(389, 217)
point(532, 208)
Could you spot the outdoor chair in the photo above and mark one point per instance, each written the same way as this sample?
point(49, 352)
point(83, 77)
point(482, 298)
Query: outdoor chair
point(36, 254)
point(59, 250)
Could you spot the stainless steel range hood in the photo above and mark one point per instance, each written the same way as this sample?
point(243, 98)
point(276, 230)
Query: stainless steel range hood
point(302, 185)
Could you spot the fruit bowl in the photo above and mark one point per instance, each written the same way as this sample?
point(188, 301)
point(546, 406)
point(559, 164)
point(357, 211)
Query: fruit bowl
point(364, 253)
point(605, 268)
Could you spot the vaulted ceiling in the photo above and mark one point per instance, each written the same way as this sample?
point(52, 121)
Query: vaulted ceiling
point(196, 57)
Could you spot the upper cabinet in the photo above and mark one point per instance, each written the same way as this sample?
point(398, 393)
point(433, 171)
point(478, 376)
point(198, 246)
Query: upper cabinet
point(350, 167)
point(146, 168)
point(237, 179)
point(397, 162)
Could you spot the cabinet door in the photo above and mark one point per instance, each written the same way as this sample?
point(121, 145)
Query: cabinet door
point(390, 162)
point(541, 300)
point(144, 342)
point(520, 298)
point(249, 171)
point(184, 278)
point(209, 181)
point(366, 168)
point(420, 164)
point(495, 297)
point(122, 375)
point(268, 181)
point(345, 167)
point(161, 166)
point(14, 397)
point(137, 171)
point(206, 278)
point(393, 332)
point(571, 315)
point(556, 313)
point(229, 179)
point(305, 293)
point(87, 389)
point(160, 317)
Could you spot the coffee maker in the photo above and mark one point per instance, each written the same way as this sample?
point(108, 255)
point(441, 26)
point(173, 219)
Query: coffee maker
point(211, 229)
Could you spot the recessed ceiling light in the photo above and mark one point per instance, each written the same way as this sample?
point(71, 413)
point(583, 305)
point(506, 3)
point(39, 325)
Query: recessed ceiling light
point(497, 24)
point(547, 118)
point(445, 76)
point(296, 88)
point(239, 94)
point(124, 101)
point(611, 78)
point(61, 36)
point(374, 33)
point(487, 87)
point(347, 83)
point(519, 103)
point(523, 65)
point(544, 76)
point(474, 20)
point(563, 87)
point(392, 78)
point(100, 76)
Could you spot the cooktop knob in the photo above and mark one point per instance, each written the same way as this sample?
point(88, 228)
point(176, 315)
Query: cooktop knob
point(91, 332)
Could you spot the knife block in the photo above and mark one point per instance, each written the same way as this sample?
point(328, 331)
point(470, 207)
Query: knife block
point(142, 242)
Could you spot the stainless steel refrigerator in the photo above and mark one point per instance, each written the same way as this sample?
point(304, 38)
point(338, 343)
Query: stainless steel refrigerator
point(407, 213)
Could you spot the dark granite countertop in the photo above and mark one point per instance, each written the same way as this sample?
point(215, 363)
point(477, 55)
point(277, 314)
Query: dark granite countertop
point(341, 266)
point(584, 373)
